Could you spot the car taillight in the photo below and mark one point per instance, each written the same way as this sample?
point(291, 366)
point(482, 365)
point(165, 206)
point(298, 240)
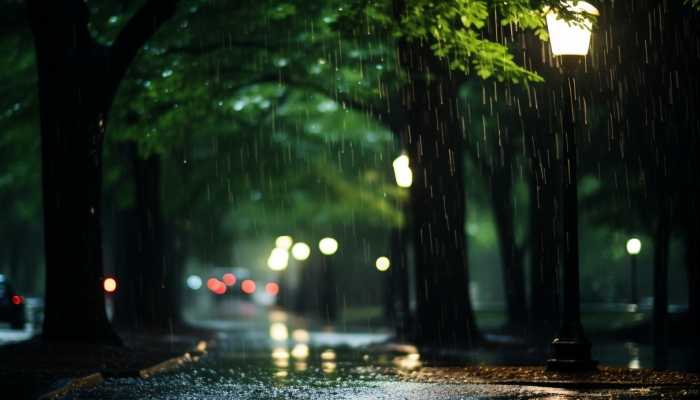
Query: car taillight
point(17, 300)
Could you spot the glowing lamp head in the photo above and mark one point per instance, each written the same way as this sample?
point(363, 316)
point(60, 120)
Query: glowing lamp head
point(109, 285)
point(328, 246)
point(382, 264)
point(402, 172)
point(571, 37)
point(634, 246)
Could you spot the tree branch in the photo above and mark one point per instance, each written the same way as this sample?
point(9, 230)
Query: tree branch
point(140, 28)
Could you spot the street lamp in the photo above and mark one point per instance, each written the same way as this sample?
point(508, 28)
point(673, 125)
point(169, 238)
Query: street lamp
point(570, 41)
point(634, 246)
point(402, 171)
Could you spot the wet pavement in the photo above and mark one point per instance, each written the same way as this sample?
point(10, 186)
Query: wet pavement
point(284, 358)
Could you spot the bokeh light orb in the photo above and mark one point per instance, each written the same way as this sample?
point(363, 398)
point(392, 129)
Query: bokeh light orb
point(278, 260)
point(272, 288)
point(328, 246)
point(301, 251)
point(109, 285)
point(382, 264)
point(248, 286)
point(229, 279)
point(194, 282)
point(634, 246)
point(284, 242)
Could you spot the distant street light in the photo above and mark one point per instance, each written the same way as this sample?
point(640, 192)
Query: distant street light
point(284, 242)
point(328, 246)
point(109, 285)
point(301, 251)
point(570, 41)
point(194, 282)
point(382, 264)
point(634, 247)
point(402, 171)
point(278, 260)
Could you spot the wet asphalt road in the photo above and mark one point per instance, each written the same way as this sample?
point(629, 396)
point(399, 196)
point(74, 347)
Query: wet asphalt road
point(280, 359)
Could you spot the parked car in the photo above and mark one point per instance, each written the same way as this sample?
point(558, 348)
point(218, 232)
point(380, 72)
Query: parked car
point(11, 305)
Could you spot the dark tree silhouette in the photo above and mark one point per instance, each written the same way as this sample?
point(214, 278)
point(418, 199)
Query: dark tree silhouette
point(78, 79)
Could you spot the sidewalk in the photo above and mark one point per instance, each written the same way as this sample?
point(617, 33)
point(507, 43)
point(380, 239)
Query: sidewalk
point(33, 368)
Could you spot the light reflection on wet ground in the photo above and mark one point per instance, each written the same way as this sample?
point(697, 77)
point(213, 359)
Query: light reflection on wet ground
point(286, 360)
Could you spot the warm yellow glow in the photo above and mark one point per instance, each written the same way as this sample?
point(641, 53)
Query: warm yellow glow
point(278, 260)
point(300, 351)
point(402, 172)
point(328, 355)
point(382, 264)
point(280, 354)
point(328, 367)
point(571, 37)
point(300, 366)
point(409, 361)
point(301, 335)
point(301, 251)
point(634, 246)
point(278, 331)
point(284, 242)
point(110, 285)
point(277, 316)
point(328, 246)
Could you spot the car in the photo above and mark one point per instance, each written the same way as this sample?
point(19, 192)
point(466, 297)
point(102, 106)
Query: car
point(11, 305)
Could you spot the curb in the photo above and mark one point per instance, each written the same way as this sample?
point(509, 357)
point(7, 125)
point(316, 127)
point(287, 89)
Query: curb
point(97, 378)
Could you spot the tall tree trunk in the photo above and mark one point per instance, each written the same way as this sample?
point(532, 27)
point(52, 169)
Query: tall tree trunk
point(77, 82)
point(511, 255)
point(438, 202)
point(145, 300)
point(662, 237)
point(73, 107)
point(400, 280)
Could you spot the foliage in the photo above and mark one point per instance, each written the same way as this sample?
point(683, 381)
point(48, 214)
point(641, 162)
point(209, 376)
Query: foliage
point(460, 31)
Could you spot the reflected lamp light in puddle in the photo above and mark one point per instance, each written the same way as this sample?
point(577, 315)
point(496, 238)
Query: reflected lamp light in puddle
point(301, 251)
point(301, 335)
point(328, 367)
point(280, 357)
point(300, 351)
point(328, 355)
point(278, 331)
point(402, 171)
point(571, 37)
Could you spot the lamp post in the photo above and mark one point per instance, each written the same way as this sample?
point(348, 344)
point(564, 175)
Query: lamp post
point(398, 275)
point(329, 308)
point(570, 41)
point(633, 246)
